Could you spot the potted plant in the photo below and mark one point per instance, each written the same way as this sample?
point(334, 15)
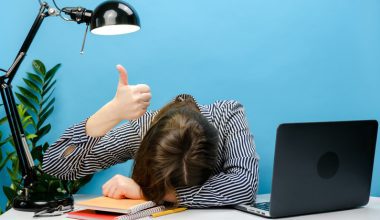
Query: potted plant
point(35, 106)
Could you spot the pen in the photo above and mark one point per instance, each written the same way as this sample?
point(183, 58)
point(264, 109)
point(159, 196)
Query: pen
point(167, 212)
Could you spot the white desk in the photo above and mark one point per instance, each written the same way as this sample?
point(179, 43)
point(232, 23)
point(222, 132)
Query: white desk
point(369, 212)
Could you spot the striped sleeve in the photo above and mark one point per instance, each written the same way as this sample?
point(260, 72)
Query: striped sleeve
point(238, 182)
point(75, 154)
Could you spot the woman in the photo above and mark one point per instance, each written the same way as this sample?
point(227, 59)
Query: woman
point(188, 154)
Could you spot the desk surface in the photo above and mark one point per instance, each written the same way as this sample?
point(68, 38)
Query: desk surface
point(368, 212)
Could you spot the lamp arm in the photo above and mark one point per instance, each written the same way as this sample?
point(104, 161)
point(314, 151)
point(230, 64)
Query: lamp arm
point(18, 133)
point(27, 42)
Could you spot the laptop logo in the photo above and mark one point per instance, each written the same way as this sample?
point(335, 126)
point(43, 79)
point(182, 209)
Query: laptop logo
point(328, 165)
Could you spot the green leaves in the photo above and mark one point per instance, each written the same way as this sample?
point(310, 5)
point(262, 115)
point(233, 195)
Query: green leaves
point(39, 67)
point(50, 74)
point(32, 85)
point(4, 161)
point(35, 78)
point(42, 132)
point(36, 105)
point(36, 95)
point(9, 192)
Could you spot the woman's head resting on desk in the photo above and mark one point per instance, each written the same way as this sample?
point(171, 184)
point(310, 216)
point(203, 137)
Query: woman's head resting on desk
point(178, 150)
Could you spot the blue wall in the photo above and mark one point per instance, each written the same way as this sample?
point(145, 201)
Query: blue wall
point(286, 61)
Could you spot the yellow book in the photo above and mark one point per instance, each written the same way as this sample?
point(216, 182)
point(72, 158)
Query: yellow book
point(126, 206)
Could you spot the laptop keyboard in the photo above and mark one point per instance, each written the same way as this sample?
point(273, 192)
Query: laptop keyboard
point(262, 205)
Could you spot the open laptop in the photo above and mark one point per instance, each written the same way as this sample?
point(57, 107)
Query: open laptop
point(319, 167)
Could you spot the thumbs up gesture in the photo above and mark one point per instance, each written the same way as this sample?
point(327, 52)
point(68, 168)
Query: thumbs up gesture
point(131, 101)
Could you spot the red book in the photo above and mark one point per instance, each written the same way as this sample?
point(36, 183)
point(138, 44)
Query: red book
point(88, 214)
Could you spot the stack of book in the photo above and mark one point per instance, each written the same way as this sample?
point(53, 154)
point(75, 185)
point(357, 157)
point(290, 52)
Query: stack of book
point(101, 208)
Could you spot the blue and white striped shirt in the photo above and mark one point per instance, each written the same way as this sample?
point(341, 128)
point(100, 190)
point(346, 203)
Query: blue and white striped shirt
point(234, 180)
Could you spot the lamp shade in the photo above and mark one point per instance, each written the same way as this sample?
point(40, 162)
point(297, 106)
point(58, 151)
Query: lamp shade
point(113, 18)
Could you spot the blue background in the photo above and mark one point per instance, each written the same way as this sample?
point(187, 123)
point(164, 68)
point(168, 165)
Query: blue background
point(285, 61)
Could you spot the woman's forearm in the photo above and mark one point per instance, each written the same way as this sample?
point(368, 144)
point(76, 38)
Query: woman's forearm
point(103, 120)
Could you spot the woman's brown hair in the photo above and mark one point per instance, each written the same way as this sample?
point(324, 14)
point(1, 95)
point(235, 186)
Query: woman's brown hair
point(178, 150)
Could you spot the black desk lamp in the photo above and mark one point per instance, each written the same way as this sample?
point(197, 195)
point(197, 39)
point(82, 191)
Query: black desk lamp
point(109, 18)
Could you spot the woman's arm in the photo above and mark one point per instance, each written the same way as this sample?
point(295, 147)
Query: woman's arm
point(76, 154)
point(90, 145)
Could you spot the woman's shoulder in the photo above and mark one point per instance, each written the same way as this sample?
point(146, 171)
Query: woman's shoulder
point(223, 105)
point(219, 111)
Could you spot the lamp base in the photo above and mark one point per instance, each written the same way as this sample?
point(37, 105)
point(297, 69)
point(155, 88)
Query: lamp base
point(36, 202)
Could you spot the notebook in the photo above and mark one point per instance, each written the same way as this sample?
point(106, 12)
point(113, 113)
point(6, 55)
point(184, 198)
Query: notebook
point(88, 214)
point(125, 206)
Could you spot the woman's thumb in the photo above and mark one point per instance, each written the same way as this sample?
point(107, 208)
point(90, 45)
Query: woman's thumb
point(123, 75)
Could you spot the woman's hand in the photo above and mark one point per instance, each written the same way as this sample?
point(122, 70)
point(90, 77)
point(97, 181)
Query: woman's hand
point(119, 187)
point(131, 101)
